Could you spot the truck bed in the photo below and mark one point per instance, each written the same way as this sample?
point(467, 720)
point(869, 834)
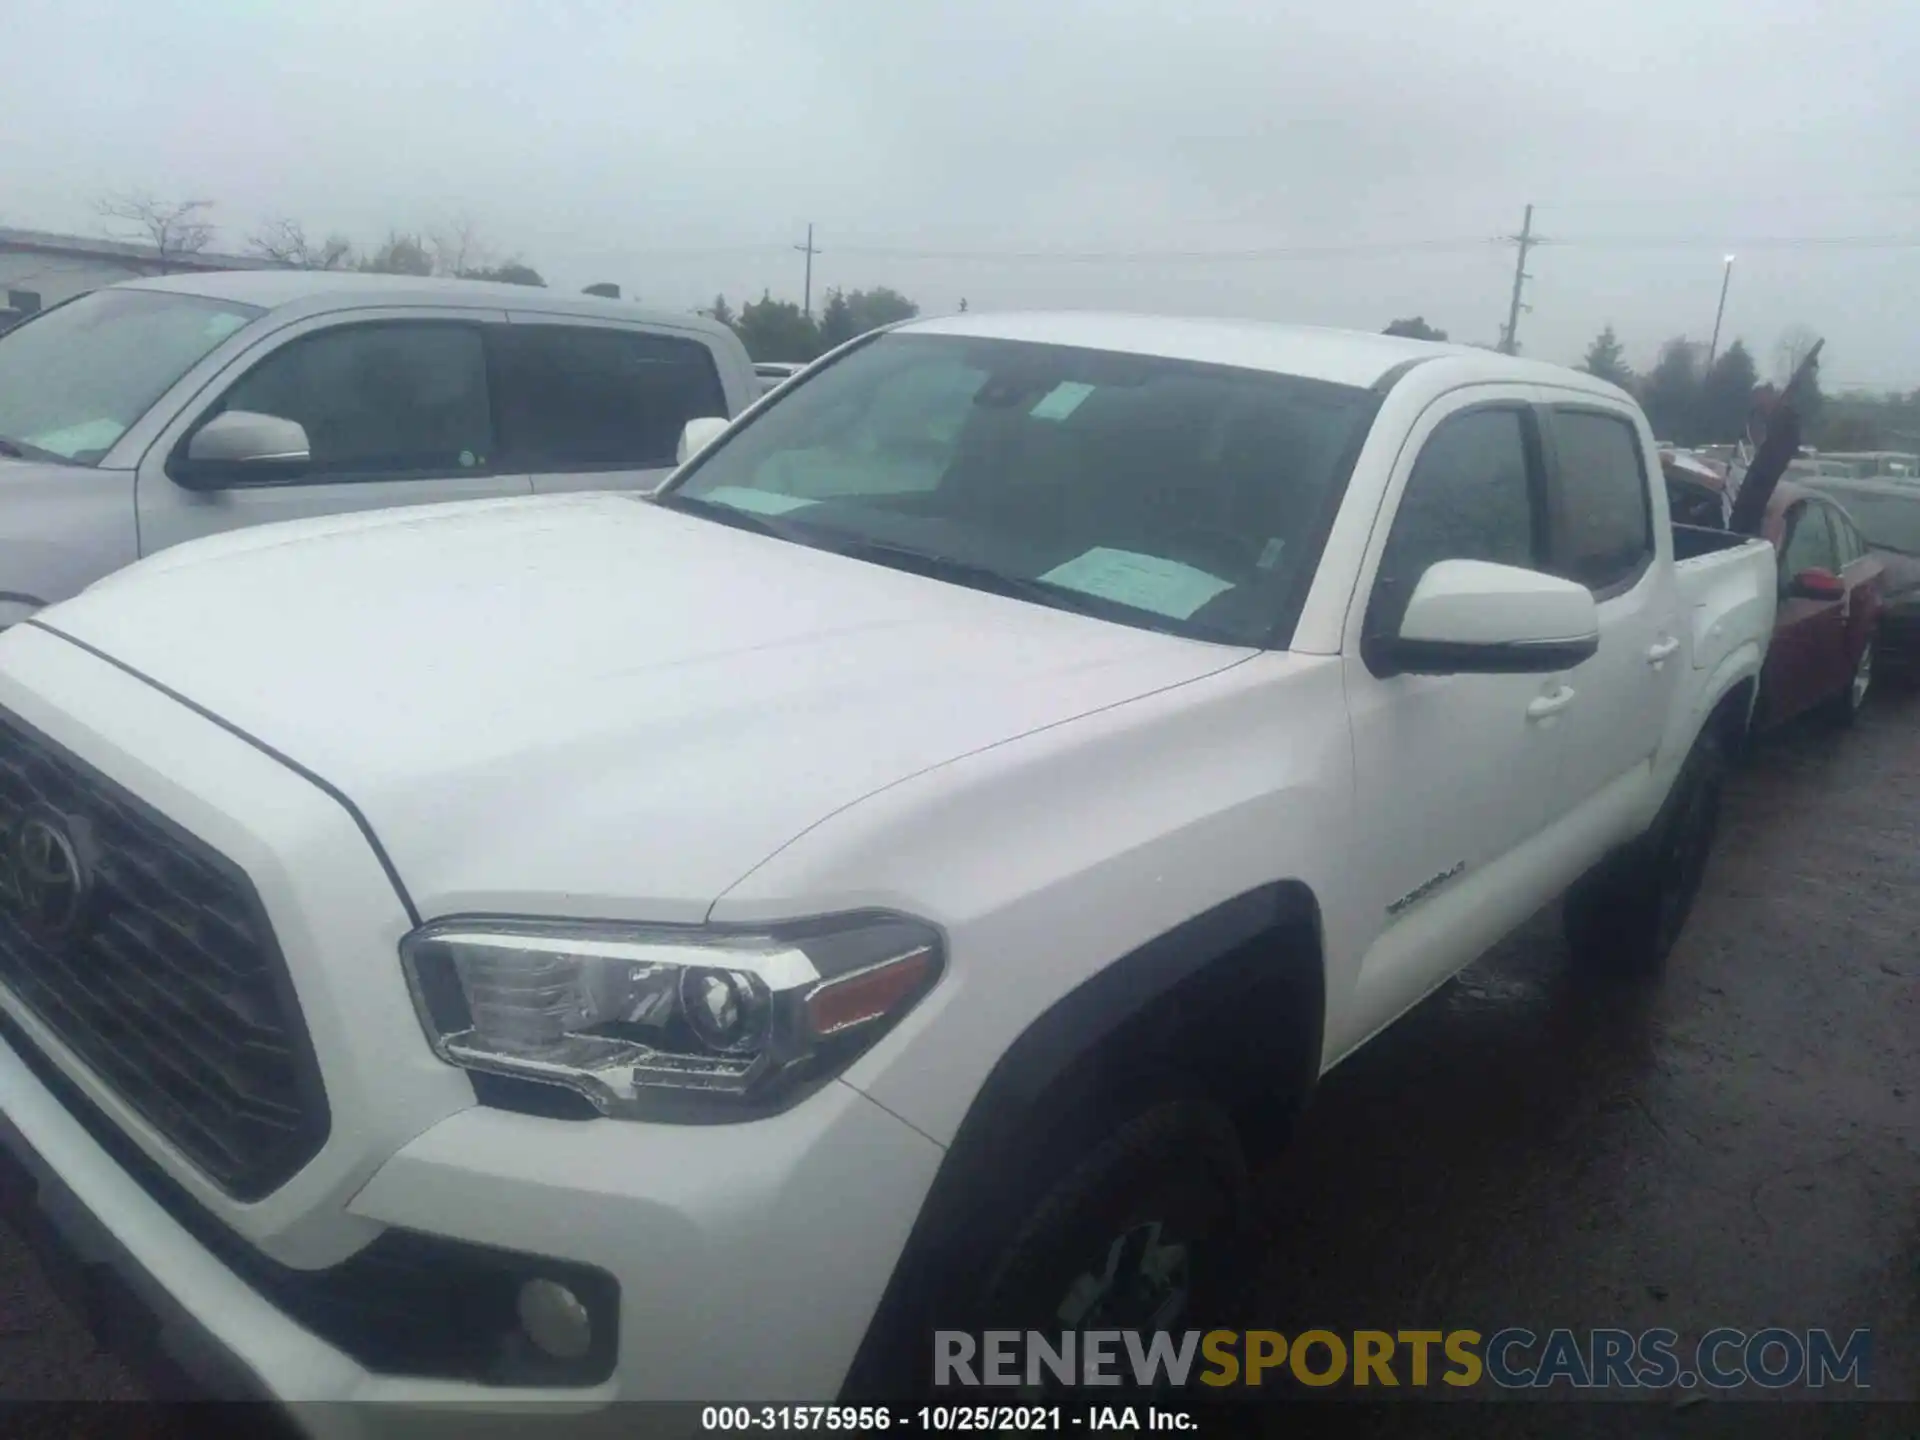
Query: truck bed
point(1729, 585)
point(1690, 542)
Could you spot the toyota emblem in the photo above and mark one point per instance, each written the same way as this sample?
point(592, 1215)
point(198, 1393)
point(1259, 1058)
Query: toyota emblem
point(47, 876)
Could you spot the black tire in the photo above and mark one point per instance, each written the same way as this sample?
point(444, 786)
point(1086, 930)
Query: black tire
point(1140, 1230)
point(1845, 707)
point(1627, 913)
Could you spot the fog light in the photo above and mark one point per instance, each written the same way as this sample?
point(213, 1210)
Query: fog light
point(555, 1320)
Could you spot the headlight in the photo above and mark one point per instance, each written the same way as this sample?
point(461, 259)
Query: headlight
point(652, 1020)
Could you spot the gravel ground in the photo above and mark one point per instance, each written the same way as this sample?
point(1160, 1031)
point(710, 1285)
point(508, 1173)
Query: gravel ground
point(1737, 1143)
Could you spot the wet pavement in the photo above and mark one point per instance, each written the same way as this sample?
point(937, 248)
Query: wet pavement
point(1734, 1144)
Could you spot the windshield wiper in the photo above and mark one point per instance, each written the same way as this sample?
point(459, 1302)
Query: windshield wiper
point(940, 567)
point(20, 450)
point(998, 582)
point(729, 515)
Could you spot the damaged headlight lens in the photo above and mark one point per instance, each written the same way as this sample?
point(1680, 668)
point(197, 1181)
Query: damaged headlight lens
point(644, 1020)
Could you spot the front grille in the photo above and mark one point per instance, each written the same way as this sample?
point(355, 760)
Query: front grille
point(156, 966)
point(406, 1304)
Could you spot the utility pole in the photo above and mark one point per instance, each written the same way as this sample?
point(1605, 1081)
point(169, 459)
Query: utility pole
point(1726, 276)
point(1526, 240)
point(807, 249)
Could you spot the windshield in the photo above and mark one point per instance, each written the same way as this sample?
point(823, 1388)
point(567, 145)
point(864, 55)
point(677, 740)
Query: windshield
point(1891, 522)
point(1156, 492)
point(74, 379)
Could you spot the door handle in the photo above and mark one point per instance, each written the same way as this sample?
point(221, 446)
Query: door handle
point(1657, 655)
point(1549, 705)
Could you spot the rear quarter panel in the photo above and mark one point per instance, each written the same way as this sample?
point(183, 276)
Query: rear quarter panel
point(1731, 598)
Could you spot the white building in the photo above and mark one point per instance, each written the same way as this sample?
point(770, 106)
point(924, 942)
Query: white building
point(38, 269)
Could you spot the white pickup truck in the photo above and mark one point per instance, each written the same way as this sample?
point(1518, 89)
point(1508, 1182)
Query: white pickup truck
point(595, 947)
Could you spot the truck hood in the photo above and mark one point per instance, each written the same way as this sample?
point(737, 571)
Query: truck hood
point(592, 704)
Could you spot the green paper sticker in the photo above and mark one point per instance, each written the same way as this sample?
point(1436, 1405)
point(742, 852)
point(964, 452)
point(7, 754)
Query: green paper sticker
point(1146, 582)
point(758, 502)
point(88, 436)
point(1061, 401)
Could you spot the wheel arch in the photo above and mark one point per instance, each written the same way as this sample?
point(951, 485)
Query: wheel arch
point(1732, 714)
point(1730, 702)
point(1231, 1002)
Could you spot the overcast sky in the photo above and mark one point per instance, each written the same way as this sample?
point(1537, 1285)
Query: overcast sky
point(1340, 162)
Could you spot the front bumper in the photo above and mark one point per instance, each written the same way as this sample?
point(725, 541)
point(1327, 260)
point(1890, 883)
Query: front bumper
point(103, 1282)
point(749, 1258)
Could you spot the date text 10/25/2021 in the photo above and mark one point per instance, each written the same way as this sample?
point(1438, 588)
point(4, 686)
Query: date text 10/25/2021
point(945, 1419)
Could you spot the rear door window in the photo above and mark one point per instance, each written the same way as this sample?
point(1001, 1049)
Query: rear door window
point(578, 397)
point(1848, 545)
point(1603, 525)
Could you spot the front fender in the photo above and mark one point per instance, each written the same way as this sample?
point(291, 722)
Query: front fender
point(1049, 858)
point(62, 527)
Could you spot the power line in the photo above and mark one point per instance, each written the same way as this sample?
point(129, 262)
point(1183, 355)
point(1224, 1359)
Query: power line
point(1350, 249)
point(1744, 242)
point(1705, 201)
point(1102, 257)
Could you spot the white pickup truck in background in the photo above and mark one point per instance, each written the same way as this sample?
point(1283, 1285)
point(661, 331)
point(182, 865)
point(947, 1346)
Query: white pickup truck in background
point(595, 947)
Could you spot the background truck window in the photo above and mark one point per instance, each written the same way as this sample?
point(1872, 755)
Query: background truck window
point(583, 397)
point(385, 399)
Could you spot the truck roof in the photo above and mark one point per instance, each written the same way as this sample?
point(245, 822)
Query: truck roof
point(350, 289)
point(1343, 357)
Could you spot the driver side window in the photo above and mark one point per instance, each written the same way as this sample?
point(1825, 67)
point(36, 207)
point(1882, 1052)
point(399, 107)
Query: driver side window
point(1809, 542)
point(381, 399)
point(1474, 494)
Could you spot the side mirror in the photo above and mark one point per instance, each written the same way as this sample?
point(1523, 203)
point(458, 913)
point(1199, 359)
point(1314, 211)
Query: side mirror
point(244, 447)
point(697, 435)
point(1817, 583)
point(1470, 617)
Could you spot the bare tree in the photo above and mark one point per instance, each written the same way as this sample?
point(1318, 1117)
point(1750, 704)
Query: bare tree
point(174, 228)
point(286, 242)
point(458, 249)
point(400, 254)
point(1795, 343)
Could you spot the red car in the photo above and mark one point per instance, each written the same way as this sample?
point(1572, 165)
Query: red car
point(1831, 595)
point(1832, 591)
